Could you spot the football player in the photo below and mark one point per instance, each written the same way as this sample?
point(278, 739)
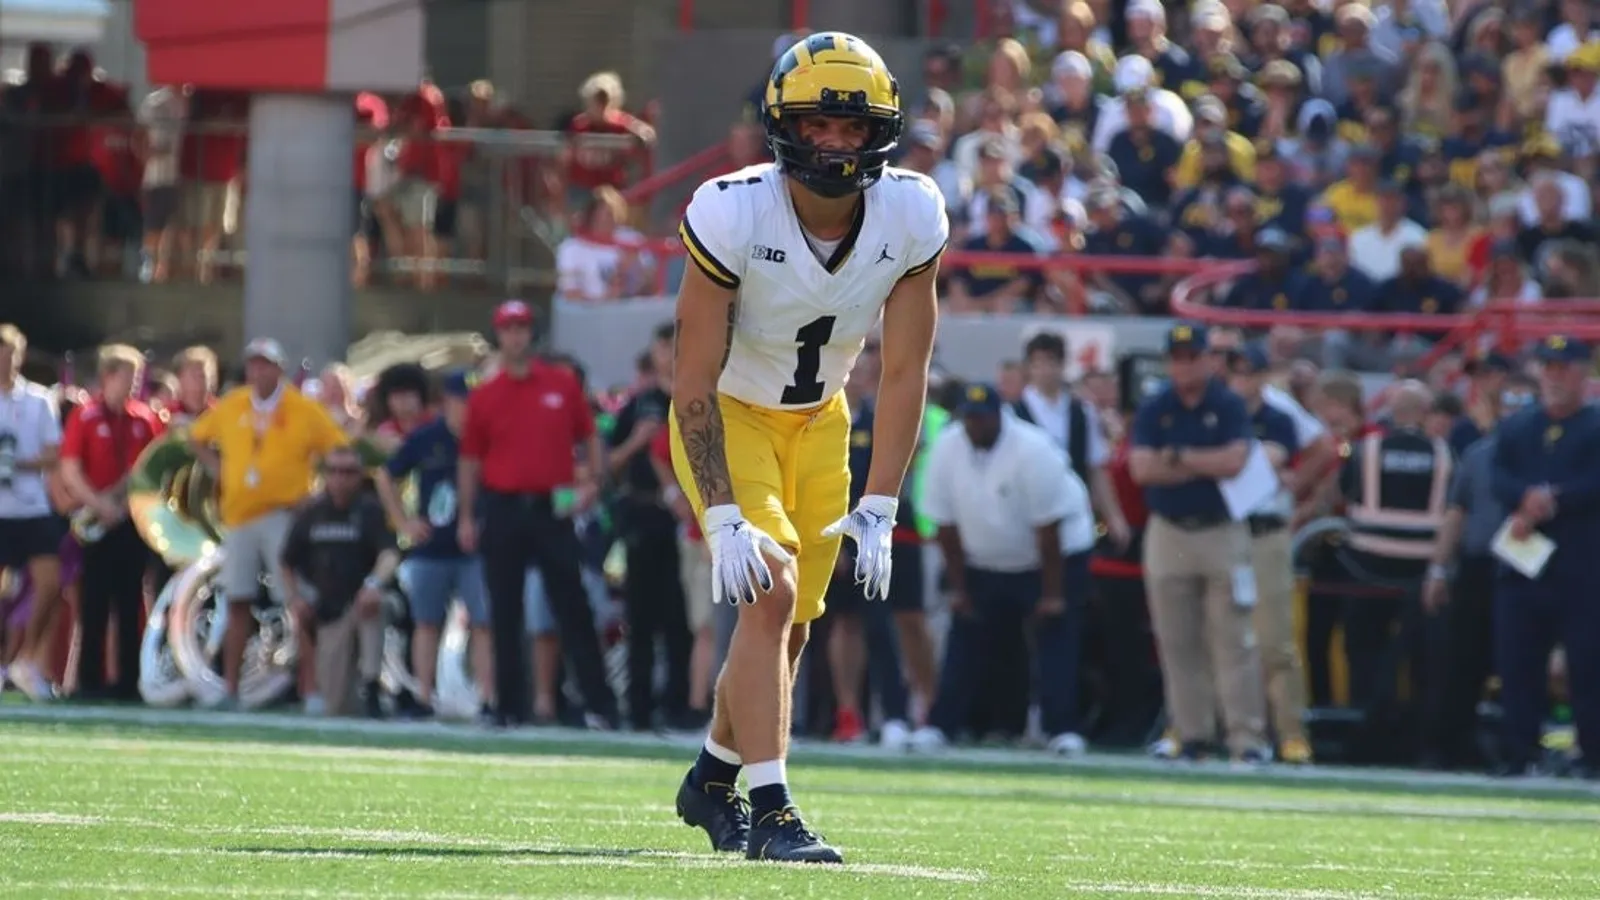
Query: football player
point(794, 263)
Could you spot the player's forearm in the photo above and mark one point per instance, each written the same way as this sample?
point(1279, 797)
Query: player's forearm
point(705, 448)
point(895, 429)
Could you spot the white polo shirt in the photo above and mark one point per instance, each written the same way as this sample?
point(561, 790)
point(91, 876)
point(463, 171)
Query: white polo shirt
point(1054, 416)
point(997, 499)
point(1307, 428)
point(29, 418)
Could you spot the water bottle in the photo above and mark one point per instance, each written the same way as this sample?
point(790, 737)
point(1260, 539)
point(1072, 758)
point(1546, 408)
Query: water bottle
point(8, 460)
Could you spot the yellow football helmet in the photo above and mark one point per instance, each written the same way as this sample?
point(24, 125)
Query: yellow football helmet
point(832, 74)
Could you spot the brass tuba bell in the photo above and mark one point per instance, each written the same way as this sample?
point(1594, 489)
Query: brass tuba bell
point(172, 501)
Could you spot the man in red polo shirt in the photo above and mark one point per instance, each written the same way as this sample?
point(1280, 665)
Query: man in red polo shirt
point(517, 454)
point(103, 440)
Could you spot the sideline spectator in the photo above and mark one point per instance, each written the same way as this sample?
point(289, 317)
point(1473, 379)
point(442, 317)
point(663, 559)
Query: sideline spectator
point(590, 164)
point(103, 440)
point(436, 571)
point(646, 527)
point(1187, 438)
point(337, 560)
point(1004, 565)
point(262, 440)
point(30, 532)
point(604, 260)
point(520, 462)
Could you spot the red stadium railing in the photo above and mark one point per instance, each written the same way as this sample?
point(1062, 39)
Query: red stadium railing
point(1509, 324)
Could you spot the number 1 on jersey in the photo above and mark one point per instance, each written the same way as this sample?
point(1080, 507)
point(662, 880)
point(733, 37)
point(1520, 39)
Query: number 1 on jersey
point(811, 337)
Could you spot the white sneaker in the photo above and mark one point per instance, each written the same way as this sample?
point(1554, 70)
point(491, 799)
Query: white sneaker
point(314, 706)
point(33, 683)
point(894, 736)
point(928, 739)
point(1069, 744)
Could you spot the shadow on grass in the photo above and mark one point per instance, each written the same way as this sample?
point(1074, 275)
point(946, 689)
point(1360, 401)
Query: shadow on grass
point(444, 853)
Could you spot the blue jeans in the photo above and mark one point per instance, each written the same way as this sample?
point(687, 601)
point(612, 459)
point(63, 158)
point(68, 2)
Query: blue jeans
point(540, 621)
point(431, 583)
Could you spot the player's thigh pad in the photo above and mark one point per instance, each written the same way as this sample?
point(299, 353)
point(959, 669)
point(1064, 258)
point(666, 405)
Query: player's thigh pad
point(820, 461)
point(753, 438)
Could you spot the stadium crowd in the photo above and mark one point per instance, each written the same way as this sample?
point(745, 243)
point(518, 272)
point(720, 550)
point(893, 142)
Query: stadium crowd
point(1089, 673)
point(1409, 156)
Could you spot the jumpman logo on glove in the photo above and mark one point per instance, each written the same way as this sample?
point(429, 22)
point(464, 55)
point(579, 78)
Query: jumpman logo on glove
point(871, 526)
point(739, 554)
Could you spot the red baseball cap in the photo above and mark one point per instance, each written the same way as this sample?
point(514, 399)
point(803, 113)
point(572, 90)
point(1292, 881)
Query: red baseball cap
point(512, 312)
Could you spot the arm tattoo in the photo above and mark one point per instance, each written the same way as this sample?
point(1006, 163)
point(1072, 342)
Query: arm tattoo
point(700, 423)
point(727, 346)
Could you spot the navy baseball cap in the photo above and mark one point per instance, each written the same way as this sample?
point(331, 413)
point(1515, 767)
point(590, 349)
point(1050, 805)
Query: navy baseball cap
point(979, 399)
point(1558, 348)
point(457, 383)
point(1252, 358)
point(1187, 336)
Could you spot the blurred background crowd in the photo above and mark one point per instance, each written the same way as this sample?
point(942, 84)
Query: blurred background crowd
point(1408, 157)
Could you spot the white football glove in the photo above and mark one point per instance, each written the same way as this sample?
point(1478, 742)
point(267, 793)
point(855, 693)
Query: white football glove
point(871, 526)
point(738, 555)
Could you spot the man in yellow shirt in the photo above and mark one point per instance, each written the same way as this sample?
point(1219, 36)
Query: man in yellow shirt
point(1354, 200)
point(263, 441)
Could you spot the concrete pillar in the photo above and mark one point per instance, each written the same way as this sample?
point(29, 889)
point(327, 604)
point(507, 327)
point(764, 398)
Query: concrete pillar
point(299, 217)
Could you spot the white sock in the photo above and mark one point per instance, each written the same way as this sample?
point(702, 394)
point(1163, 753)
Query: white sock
point(723, 753)
point(762, 774)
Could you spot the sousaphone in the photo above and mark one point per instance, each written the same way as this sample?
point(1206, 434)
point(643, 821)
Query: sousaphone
point(172, 501)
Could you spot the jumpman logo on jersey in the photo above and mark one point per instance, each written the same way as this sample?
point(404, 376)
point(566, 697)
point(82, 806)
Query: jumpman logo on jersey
point(883, 255)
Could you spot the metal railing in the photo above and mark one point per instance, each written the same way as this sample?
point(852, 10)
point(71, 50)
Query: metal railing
point(114, 199)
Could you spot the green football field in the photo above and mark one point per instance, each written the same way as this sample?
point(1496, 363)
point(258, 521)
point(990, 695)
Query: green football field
point(131, 804)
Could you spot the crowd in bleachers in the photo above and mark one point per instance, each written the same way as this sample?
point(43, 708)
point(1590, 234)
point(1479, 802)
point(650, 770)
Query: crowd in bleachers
point(1448, 146)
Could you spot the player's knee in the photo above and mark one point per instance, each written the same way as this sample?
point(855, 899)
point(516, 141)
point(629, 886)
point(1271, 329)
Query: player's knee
point(773, 612)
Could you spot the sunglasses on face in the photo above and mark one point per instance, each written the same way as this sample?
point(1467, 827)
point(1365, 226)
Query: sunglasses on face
point(342, 470)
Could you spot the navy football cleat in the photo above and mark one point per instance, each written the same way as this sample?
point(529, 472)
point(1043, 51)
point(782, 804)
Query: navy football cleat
point(781, 836)
point(719, 810)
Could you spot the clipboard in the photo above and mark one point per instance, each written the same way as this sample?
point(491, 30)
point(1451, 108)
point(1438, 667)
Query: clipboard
point(1528, 557)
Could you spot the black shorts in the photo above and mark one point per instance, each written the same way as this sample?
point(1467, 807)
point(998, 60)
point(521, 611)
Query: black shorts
point(24, 539)
point(160, 207)
point(905, 582)
point(76, 189)
point(444, 219)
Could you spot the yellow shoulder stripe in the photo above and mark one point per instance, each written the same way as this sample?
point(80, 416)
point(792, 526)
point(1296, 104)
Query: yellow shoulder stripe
point(925, 265)
point(707, 263)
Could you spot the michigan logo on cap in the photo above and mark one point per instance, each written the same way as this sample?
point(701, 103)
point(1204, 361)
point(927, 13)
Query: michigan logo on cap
point(977, 393)
point(1183, 333)
point(1556, 342)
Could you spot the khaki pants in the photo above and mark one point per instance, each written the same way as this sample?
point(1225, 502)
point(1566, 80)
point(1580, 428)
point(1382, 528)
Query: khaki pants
point(1274, 624)
point(349, 655)
point(1207, 641)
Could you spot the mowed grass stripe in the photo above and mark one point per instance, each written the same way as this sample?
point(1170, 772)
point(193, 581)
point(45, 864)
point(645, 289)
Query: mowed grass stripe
point(135, 810)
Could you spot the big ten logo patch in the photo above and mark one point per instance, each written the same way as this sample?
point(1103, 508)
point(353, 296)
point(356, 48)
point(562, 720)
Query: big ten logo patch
point(767, 253)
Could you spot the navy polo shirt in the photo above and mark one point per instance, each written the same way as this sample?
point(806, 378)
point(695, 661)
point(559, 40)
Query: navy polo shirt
point(1271, 425)
point(1533, 449)
point(431, 452)
point(1163, 422)
point(1351, 292)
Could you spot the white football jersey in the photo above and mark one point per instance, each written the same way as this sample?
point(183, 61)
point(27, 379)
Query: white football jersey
point(801, 322)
